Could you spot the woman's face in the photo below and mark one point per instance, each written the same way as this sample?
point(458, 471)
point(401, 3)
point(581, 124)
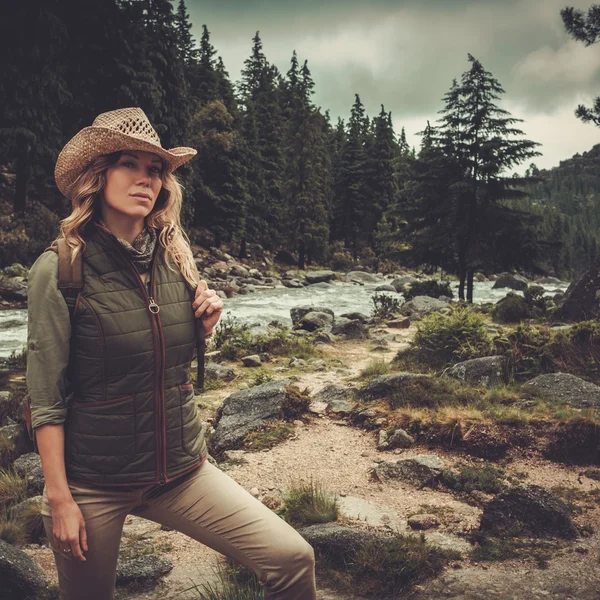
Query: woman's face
point(133, 183)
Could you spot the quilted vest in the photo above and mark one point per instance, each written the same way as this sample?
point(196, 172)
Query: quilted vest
point(132, 417)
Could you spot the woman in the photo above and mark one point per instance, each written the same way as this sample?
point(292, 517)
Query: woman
point(112, 404)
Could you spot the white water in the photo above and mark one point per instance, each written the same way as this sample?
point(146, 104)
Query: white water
point(261, 307)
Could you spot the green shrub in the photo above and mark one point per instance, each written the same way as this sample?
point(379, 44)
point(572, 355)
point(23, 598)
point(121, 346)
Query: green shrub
point(429, 287)
point(445, 339)
point(535, 299)
point(384, 306)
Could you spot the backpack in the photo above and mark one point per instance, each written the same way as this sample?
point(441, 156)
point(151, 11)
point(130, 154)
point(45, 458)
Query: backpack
point(70, 283)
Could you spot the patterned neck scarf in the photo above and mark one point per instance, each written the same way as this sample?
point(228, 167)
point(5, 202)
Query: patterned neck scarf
point(141, 249)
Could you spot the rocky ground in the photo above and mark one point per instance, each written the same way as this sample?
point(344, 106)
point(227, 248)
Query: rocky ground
point(329, 449)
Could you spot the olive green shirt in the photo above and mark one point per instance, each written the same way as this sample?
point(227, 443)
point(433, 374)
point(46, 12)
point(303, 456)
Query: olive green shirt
point(48, 341)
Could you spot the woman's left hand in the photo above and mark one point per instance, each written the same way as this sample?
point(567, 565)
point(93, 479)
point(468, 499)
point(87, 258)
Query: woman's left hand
point(207, 305)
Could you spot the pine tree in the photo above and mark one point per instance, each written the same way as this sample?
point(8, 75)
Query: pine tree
point(33, 89)
point(351, 197)
point(188, 51)
point(482, 138)
point(584, 28)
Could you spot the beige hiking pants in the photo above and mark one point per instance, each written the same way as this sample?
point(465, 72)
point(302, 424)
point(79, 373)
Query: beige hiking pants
point(208, 506)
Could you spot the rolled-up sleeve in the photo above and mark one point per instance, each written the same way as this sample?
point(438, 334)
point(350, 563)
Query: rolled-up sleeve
point(48, 340)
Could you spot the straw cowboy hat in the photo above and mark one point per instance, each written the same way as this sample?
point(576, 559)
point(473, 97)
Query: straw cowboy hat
point(121, 129)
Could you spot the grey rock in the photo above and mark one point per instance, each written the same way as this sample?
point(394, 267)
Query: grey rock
point(420, 470)
point(143, 570)
point(528, 511)
point(18, 510)
point(356, 316)
point(316, 320)
point(339, 399)
point(385, 287)
point(252, 360)
point(29, 467)
point(402, 284)
point(403, 323)
point(292, 283)
point(423, 521)
point(297, 362)
point(219, 372)
point(247, 410)
point(388, 384)
point(567, 387)
point(420, 306)
point(400, 439)
point(298, 312)
point(487, 371)
point(510, 280)
point(350, 329)
point(337, 542)
point(361, 277)
point(17, 437)
point(20, 577)
point(319, 276)
point(382, 440)
point(13, 288)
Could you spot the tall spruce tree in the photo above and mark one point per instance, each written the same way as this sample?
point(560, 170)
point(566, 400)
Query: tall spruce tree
point(351, 193)
point(306, 167)
point(485, 142)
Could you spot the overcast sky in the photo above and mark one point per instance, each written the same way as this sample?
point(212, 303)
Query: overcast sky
point(404, 55)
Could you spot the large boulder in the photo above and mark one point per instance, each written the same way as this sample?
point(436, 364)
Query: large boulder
point(420, 470)
point(20, 577)
point(487, 371)
point(316, 320)
point(528, 511)
point(389, 384)
point(338, 543)
point(510, 280)
point(569, 388)
point(319, 276)
point(298, 312)
point(352, 329)
point(248, 410)
point(143, 571)
point(420, 306)
point(13, 288)
point(403, 283)
point(361, 277)
point(337, 399)
point(582, 299)
point(29, 467)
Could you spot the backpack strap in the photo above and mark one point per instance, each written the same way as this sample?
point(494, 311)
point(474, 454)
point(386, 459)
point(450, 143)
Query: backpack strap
point(70, 277)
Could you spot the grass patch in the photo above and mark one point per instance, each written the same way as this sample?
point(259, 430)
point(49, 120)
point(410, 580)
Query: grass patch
point(234, 339)
point(12, 533)
point(13, 489)
point(467, 478)
point(269, 435)
point(233, 582)
point(306, 503)
point(390, 567)
point(375, 367)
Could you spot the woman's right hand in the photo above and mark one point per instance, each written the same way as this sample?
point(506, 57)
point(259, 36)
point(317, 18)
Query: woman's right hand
point(68, 529)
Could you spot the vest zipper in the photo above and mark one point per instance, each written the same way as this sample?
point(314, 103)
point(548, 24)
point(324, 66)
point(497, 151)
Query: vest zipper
point(161, 450)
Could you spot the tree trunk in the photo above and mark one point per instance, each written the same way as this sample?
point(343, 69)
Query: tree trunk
point(470, 285)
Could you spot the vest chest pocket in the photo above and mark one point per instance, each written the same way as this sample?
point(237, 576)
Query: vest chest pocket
point(101, 435)
point(191, 426)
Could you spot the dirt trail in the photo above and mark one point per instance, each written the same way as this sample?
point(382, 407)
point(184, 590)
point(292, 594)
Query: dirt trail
point(340, 457)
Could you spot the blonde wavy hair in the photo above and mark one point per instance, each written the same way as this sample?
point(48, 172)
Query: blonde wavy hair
point(165, 215)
